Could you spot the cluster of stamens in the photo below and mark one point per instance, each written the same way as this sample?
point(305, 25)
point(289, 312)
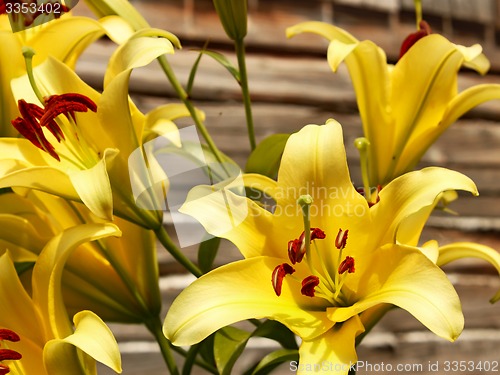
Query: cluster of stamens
point(320, 283)
point(34, 118)
point(5, 353)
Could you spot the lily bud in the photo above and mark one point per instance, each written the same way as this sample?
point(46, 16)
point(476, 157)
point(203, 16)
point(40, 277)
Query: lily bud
point(233, 16)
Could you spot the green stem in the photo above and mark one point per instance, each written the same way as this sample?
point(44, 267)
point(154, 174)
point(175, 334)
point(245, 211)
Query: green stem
point(201, 363)
point(155, 327)
point(28, 54)
point(170, 246)
point(362, 144)
point(183, 96)
point(418, 12)
point(240, 53)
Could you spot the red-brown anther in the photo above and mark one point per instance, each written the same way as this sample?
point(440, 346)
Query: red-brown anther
point(279, 274)
point(317, 234)
point(4, 369)
point(424, 30)
point(29, 127)
point(65, 104)
point(341, 239)
point(347, 265)
point(7, 334)
point(295, 251)
point(9, 355)
point(308, 285)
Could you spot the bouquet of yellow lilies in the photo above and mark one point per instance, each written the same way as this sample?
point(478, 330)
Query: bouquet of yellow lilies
point(85, 178)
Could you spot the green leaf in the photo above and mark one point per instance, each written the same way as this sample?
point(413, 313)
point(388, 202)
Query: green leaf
point(276, 331)
point(206, 350)
point(192, 74)
point(190, 359)
point(229, 343)
point(273, 360)
point(207, 253)
point(221, 59)
point(266, 157)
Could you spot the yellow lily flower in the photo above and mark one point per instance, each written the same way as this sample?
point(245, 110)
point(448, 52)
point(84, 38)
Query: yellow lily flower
point(48, 343)
point(64, 39)
point(404, 107)
point(82, 156)
point(111, 278)
point(324, 259)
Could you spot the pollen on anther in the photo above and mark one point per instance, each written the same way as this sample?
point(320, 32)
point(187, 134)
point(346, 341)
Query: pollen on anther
point(341, 239)
point(279, 274)
point(347, 265)
point(7, 334)
point(308, 285)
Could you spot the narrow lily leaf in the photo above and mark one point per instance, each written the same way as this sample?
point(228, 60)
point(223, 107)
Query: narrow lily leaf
point(274, 359)
point(221, 59)
point(266, 157)
point(228, 345)
point(207, 253)
point(192, 73)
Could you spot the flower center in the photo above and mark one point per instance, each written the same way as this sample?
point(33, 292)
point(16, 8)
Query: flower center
point(328, 275)
point(5, 353)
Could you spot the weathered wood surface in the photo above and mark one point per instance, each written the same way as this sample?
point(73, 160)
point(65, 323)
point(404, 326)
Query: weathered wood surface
point(291, 89)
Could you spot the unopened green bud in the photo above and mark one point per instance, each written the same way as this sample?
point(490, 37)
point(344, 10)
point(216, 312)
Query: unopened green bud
point(233, 16)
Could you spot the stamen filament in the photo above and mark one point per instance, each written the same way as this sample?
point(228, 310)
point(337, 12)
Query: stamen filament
point(328, 280)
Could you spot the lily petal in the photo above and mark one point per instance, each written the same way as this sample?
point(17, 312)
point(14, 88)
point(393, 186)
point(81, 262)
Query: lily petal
point(48, 270)
point(409, 199)
point(334, 352)
point(239, 291)
point(214, 209)
point(24, 321)
point(93, 187)
point(405, 277)
point(458, 250)
point(92, 336)
point(327, 31)
point(136, 52)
